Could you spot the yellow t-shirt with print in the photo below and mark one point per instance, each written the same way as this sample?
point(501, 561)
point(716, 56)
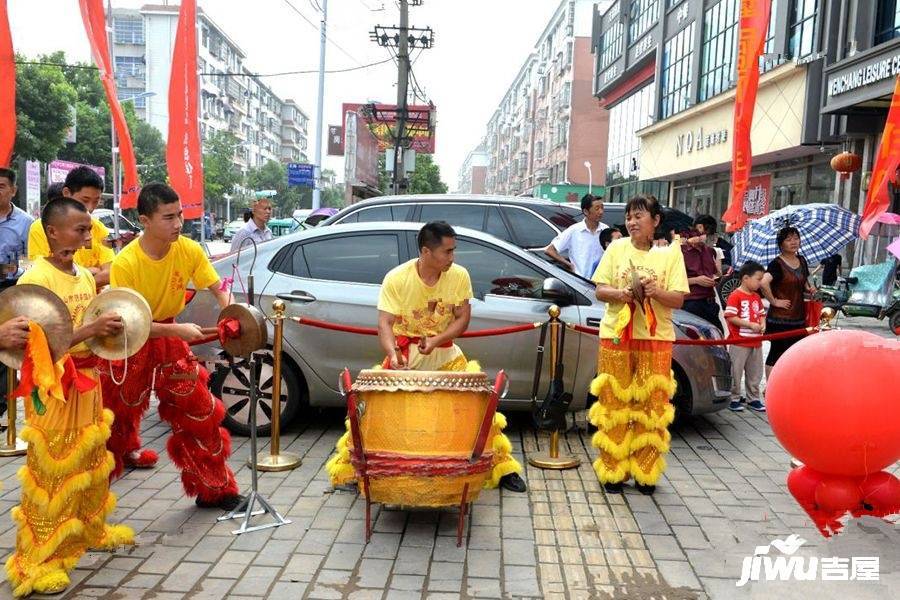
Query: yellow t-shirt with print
point(666, 265)
point(422, 310)
point(94, 257)
point(76, 291)
point(163, 282)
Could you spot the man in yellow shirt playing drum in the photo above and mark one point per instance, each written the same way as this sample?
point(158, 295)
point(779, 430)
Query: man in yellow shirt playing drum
point(86, 186)
point(65, 479)
point(423, 307)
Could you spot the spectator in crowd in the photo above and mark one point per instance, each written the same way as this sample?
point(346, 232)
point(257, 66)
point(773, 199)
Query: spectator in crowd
point(784, 284)
point(580, 241)
point(709, 227)
point(700, 263)
point(746, 317)
point(831, 269)
point(257, 228)
point(607, 237)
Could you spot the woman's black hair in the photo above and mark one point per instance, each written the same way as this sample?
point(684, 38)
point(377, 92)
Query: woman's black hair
point(785, 233)
point(644, 202)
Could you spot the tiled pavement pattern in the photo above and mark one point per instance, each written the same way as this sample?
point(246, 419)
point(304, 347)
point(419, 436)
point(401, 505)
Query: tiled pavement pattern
point(722, 495)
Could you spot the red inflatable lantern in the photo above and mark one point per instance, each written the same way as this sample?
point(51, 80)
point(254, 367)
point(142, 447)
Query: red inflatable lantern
point(881, 491)
point(839, 421)
point(802, 483)
point(839, 494)
point(846, 163)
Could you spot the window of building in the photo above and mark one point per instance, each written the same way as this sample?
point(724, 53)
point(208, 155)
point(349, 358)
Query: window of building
point(804, 38)
point(887, 24)
point(626, 118)
point(676, 72)
point(133, 95)
point(673, 3)
point(767, 63)
point(611, 43)
point(129, 66)
point(128, 30)
point(643, 14)
point(720, 33)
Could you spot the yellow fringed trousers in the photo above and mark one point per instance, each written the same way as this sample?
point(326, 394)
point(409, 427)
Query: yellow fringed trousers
point(633, 411)
point(341, 472)
point(65, 492)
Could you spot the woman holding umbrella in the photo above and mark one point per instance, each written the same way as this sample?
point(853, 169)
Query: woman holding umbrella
point(784, 284)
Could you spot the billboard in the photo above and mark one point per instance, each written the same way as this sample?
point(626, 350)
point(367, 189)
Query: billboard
point(335, 140)
point(382, 122)
point(58, 169)
point(361, 153)
point(757, 198)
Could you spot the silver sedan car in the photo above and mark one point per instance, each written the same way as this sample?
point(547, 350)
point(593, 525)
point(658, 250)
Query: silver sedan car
point(334, 274)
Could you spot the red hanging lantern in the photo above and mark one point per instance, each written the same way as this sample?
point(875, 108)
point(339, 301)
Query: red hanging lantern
point(846, 163)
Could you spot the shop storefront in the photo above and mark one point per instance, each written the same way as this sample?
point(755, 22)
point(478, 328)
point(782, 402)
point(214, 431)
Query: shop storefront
point(692, 150)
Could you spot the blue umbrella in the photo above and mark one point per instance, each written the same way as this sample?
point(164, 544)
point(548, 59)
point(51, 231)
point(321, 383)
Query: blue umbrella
point(824, 230)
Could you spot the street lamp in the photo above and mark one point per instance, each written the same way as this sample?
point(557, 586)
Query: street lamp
point(137, 96)
point(587, 165)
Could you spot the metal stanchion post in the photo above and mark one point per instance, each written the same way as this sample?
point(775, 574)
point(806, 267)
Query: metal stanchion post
point(276, 460)
point(13, 446)
point(552, 459)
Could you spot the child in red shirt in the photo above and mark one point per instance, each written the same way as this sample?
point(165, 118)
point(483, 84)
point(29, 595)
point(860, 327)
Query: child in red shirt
point(746, 318)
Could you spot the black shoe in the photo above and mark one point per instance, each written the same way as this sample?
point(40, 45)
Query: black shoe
point(613, 488)
point(227, 503)
point(646, 490)
point(513, 483)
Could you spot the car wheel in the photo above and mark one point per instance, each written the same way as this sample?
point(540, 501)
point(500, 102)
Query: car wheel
point(232, 385)
point(728, 285)
point(895, 323)
point(683, 399)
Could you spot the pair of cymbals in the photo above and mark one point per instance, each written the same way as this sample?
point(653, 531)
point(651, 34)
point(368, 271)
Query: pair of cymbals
point(42, 306)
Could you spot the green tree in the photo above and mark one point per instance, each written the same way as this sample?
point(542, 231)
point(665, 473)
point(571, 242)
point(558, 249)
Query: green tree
point(219, 174)
point(273, 176)
point(332, 195)
point(43, 108)
point(426, 179)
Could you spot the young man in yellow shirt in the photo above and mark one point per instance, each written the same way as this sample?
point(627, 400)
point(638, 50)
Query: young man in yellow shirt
point(86, 186)
point(65, 479)
point(159, 266)
point(423, 307)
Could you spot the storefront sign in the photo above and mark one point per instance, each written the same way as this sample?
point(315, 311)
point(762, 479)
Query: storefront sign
point(642, 47)
point(610, 74)
point(878, 69)
point(698, 140)
point(682, 13)
point(33, 188)
point(757, 197)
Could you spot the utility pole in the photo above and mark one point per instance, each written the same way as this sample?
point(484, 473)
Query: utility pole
point(317, 180)
point(402, 85)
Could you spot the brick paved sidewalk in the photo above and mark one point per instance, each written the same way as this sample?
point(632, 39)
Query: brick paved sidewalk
point(722, 495)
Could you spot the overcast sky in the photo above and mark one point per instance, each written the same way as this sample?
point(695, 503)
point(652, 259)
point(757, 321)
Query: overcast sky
point(479, 47)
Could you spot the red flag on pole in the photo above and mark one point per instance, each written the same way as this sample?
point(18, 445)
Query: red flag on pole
point(887, 161)
point(754, 24)
point(7, 89)
point(94, 18)
point(183, 151)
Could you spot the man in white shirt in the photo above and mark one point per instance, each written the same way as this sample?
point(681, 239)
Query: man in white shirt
point(256, 228)
point(581, 241)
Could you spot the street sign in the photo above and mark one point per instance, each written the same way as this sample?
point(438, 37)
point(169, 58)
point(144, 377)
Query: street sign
point(301, 174)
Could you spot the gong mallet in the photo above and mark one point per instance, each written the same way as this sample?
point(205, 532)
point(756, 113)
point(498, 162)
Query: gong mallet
point(553, 459)
point(13, 446)
point(275, 459)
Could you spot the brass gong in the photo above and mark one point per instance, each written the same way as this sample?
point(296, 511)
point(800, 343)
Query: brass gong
point(43, 307)
point(254, 333)
point(136, 318)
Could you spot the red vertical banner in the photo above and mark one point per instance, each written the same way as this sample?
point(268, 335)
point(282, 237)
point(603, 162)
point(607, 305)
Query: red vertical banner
point(183, 151)
point(7, 89)
point(887, 161)
point(95, 25)
point(754, 24)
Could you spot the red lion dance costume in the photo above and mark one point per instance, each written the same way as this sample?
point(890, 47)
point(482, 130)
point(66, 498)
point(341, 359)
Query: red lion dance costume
point(199, 446)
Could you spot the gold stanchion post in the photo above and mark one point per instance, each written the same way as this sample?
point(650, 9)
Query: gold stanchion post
point(276, 460)
point(13, 446)
point(553, 459)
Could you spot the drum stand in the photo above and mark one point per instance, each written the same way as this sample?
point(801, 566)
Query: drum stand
point(245, 508)
point(13, 446)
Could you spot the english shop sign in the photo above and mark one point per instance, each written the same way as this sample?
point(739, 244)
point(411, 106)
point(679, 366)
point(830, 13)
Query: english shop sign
point(868, 74)
point(698, 140)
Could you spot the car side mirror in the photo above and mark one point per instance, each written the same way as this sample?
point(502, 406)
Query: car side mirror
point(557, 292)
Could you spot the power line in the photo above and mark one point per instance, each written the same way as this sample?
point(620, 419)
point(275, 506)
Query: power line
point(316, 28)
point(314, 5)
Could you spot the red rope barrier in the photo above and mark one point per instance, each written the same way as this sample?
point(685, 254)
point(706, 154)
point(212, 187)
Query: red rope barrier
point(371, 331)
point(718, 342)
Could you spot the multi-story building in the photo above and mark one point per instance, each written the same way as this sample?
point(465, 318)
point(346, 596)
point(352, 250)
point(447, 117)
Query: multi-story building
point(473, 173)
point(548, 125)
point(231, 98)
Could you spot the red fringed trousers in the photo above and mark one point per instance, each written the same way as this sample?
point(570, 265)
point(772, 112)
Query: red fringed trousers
point(198, 446)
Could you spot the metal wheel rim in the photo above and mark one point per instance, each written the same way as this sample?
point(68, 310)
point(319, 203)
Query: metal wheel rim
point(235, 392)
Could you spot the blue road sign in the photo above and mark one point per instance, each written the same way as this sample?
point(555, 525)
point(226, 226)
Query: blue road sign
point(301, 174)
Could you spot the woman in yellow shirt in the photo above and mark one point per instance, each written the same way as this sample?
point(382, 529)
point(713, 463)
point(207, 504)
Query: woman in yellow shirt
point(641, 285)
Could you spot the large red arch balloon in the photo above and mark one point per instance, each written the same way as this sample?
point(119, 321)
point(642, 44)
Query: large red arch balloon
point(833, 402)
